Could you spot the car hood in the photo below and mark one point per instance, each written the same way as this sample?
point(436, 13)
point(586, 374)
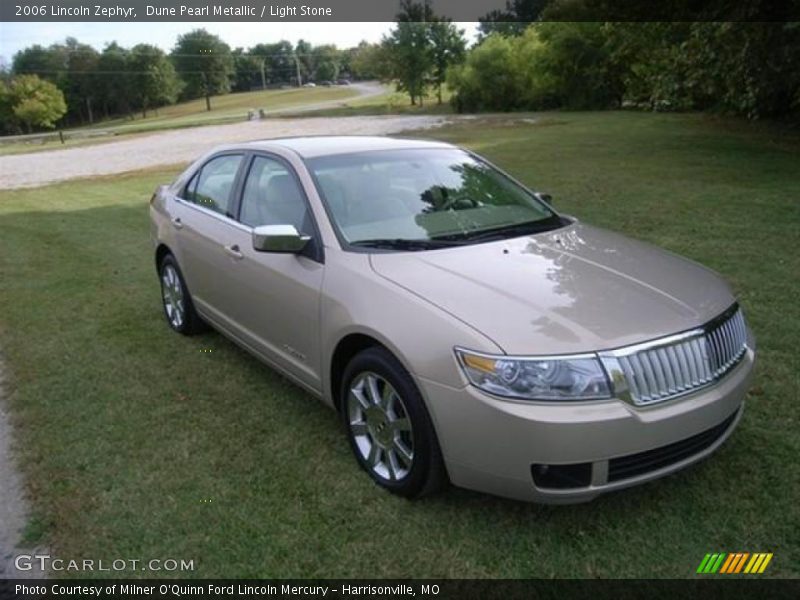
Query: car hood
point(576, 289)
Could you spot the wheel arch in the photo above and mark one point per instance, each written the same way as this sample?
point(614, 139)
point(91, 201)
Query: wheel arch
point(348, 346)
point(161, 251)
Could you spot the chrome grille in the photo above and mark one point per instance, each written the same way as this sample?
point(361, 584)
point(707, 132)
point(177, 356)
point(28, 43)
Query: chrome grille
point(677, 365)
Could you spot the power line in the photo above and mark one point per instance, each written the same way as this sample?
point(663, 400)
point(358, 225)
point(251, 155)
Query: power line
point(231, 53)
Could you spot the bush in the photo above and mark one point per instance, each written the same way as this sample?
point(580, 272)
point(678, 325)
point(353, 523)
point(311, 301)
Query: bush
point(550, 65)
point(488, 79)
point(748, 69)
point(31, 102)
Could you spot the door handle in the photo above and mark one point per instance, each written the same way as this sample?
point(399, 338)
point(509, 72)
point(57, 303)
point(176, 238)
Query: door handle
point(234, 251)
point(176, 222)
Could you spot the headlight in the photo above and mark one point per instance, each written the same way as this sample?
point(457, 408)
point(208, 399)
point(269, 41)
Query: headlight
point(548, 378)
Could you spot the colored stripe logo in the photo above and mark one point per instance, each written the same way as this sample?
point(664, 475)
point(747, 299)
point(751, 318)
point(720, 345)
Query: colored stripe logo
point(735, 562)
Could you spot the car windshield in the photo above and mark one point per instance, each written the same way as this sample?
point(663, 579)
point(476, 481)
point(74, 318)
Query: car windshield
point(425, 198)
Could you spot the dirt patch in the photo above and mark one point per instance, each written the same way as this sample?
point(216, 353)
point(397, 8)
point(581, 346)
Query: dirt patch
point(184, 145)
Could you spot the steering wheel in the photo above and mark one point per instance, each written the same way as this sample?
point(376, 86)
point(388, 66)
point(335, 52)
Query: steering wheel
point(459, 203)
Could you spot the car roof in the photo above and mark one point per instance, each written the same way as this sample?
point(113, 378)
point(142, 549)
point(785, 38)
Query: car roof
point(314, 146)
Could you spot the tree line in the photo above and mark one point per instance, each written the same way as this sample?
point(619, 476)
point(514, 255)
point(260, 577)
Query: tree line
point(543, 54)
point(72, 83)
point(530, 56)
point(746, 69)
point(550, 54)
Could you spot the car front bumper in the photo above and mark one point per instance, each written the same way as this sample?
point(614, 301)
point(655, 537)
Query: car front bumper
point(493, 445)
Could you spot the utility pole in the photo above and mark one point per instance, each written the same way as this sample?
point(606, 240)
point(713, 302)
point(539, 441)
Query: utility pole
point(297, 66)
point(263, 77)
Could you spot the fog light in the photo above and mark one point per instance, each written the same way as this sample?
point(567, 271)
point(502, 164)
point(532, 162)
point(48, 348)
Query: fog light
point(560, 477)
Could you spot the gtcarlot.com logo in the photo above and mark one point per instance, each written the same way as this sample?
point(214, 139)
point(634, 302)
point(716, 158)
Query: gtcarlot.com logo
point(728, 563)
point(44, 562)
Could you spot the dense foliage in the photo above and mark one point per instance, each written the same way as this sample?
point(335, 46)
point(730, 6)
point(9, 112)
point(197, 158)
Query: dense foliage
point(29, 102)
point(748, 69)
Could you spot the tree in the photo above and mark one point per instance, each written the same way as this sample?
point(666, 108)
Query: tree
point(345, 63)
point(488, 79)
point(326, 71)
point(279, 60)
point(71, 66)
point(35, 102)
point(749, 69)
point(204, 63)
point(114, 83)
point(246, 71)
point(304, 52)
point(370, 61)
point(80, 78)
point(153, 78)
point(650, 58)
point(551, 65)
point(447, 48)
point(326, 63)
point(576, 61)
point(7, 125)
point(409, 48)
point(48, 63)
point(514, 19)
point(35, 60)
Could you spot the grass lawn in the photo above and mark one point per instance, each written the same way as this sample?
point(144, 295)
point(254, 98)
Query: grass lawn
point(389, 103)
point(140, 443)
point(229, 107)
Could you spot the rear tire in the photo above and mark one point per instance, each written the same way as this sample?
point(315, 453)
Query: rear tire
point(177, 302)
point(388, 426)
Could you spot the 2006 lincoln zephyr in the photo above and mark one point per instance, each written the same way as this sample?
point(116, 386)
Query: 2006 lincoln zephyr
point(463, 329)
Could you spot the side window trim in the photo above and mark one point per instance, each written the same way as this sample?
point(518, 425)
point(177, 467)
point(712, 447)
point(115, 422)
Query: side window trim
point(239, 187)
point(317, 252)
point(185, 194)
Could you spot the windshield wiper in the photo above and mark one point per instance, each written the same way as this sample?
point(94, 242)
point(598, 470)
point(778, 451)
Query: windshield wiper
point(506, 232)
point(406, 244)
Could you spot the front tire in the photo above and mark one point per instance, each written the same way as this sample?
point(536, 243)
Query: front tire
point(388, 426)
point(177, 302)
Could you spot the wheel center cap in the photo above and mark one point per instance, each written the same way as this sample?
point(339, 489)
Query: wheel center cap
point(379, 426)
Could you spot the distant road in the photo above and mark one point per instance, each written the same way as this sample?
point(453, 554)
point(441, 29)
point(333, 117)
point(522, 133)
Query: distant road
point(365, 89)
point(362, 89)
point(183, 145)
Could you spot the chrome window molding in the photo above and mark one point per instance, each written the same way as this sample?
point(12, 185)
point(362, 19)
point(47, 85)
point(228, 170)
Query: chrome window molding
point(680, 364)
point(212, 213)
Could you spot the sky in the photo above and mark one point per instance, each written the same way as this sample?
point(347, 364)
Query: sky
point(16, 36)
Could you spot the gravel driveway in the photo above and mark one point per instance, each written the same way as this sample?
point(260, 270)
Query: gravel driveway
point(179, 146)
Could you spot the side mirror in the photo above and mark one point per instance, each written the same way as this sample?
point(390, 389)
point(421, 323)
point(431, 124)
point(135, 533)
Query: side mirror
point(279, 238)
point(546, 198)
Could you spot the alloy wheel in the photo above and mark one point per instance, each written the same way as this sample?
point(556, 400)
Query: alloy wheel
point(380, 426)
point(172, 292)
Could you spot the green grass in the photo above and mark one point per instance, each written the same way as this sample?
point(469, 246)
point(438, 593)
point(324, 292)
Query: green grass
point(225, 109)
point(230, 107)
point(125, 429)
point(389, 103)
